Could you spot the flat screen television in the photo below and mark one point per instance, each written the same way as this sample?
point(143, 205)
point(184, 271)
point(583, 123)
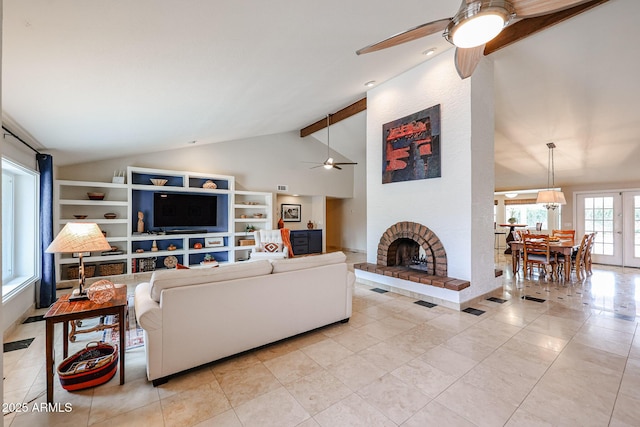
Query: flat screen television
point(184, 210)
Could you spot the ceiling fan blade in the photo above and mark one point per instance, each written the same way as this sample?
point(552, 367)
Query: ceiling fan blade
point(315, 167)
point(467, 60)
point(529, 8)
point(528, 26)
point(337, 167)
point(345, 163)
point(407, 36)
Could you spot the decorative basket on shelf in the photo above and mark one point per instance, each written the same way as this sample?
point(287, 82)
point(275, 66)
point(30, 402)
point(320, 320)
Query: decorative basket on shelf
point(73, 272)
point(111, 269)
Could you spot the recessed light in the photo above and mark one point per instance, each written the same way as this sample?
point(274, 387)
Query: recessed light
point(429, 52)
point(370, 83)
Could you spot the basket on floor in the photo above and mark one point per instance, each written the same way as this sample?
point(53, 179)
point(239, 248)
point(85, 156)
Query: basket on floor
point(94, 365)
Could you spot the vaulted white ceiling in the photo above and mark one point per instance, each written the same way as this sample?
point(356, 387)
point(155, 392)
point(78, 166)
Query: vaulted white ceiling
point(90, 79)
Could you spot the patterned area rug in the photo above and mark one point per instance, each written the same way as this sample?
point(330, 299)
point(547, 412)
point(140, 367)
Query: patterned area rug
point(135, 336)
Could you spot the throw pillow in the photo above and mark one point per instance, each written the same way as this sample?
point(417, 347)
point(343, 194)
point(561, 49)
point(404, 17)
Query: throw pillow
point(271, 247)
point(181, 267)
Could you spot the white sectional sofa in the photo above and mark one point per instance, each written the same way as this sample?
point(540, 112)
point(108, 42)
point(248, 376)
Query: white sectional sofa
point(196, 316)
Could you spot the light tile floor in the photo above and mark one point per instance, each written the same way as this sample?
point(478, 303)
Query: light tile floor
point(572, 360)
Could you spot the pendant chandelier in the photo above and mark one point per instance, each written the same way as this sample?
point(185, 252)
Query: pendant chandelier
point(551, 198)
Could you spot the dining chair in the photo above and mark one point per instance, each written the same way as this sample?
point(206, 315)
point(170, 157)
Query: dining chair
point(578, 258)
point(588, 251)
point(536, 252)
point(564, 234)
point(518, 236)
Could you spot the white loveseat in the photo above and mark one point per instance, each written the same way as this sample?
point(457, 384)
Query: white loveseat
point(196, 316)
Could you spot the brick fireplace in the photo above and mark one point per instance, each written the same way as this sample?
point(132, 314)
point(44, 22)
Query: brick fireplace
point(416, 239)
point(411, 251)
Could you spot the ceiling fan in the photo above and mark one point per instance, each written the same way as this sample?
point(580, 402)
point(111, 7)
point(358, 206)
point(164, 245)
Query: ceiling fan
point(477, 22)
point(330, 163)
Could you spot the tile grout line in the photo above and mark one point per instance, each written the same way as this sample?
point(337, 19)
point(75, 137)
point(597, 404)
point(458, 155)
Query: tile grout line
point(613, 408)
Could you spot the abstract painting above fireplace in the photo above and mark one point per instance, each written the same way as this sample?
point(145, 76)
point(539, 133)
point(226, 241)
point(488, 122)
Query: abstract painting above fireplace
point(411, 147)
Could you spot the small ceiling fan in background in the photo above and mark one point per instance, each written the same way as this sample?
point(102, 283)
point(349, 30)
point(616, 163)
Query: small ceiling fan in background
point(477, 22)
point(330, 163)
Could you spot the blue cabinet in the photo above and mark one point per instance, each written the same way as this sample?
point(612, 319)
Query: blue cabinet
point(305, 242)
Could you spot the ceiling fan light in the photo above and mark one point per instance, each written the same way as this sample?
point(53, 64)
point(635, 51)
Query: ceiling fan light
point(478, 22)
point(477, 30)
point(328, 166)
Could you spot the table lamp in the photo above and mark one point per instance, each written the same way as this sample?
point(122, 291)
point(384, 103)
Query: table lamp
point(79, 237)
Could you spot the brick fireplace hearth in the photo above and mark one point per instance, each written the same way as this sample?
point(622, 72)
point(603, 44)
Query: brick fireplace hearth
point(411, 251)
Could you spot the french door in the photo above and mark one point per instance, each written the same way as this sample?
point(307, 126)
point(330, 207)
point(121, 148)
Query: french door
point(631, 203)
point(615, 217)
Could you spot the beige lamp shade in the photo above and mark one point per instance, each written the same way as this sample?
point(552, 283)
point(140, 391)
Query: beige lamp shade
point(79, 237)
point(550, 197)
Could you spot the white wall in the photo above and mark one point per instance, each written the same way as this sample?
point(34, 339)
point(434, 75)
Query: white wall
point(482, 179)
point(259, 164)
point(458, 206)
point(19, 153)
point(306, 210)
point(348, 217)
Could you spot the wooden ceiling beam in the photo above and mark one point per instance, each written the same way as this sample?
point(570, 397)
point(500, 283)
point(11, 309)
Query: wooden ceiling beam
point(336, 117)
point(528, 26)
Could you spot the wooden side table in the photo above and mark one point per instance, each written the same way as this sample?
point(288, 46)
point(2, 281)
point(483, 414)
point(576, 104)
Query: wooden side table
point(63, 311)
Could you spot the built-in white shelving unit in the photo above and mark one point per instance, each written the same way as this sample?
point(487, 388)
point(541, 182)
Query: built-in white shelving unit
point(236, 211)
point(250, 209)
point(74, 201)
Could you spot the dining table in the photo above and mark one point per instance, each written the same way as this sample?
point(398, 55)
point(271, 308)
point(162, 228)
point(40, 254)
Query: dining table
point(562, 247)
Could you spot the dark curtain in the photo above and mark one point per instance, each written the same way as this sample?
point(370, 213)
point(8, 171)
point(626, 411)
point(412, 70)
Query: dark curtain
point(47, 292)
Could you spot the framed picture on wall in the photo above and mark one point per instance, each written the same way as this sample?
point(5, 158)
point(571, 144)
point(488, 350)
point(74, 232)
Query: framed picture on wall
point(290, 213)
